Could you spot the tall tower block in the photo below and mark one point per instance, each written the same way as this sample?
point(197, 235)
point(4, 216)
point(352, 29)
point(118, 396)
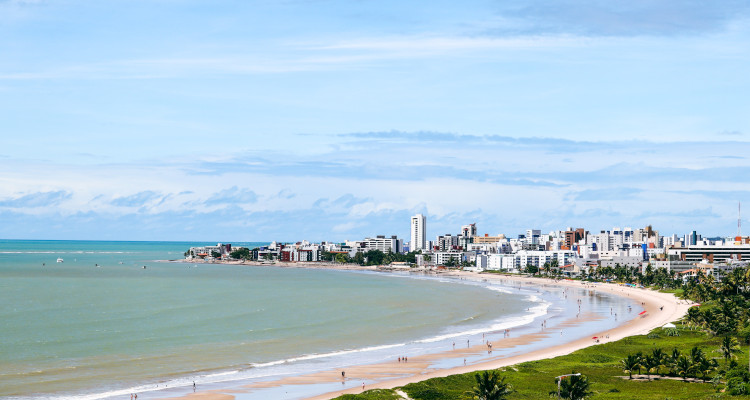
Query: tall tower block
point(418, 233)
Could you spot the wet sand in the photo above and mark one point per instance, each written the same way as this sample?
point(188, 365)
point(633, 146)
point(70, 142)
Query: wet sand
point(396, 374)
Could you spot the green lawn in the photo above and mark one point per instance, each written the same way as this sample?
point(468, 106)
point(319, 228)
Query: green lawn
point(601, 364)
point(374, 394)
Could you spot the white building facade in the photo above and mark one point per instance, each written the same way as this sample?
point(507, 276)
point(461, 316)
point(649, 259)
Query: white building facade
point(418, 233)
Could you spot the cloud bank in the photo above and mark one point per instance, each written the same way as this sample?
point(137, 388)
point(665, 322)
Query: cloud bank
point(370, 183)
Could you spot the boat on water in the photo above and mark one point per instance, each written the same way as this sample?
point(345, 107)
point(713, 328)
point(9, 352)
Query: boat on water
point(59, 259)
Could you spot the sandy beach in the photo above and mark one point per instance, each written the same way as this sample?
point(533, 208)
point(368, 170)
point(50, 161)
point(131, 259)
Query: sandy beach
point(396, 374)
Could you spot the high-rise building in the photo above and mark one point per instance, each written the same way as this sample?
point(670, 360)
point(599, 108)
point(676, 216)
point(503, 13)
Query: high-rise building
point(466, 236)
point(469, 230)
point(532, 236)
point(418, 233)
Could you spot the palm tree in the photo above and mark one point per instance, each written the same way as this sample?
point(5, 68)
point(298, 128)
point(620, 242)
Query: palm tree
point(490, 387)
point(659, 358)
point(639, 355)
point(673, 358)
point(651, 364)
point(572, 387)
point(683, 367)
point(697, 355)
point(729, 347)
point(630, 364)
point(704, 367)
point(694, 316)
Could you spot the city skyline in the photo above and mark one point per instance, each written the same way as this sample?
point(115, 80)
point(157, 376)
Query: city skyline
point(202, 121)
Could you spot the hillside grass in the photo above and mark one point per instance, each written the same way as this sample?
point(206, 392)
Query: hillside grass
point(600, 363)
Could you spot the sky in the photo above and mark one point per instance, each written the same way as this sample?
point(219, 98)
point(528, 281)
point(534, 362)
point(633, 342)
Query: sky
point(333, 120)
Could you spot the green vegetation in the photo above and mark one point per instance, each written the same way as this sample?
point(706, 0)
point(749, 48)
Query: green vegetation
point(693, 365)
point(574, 386)
point(241, 253)
point(531, 269)
point(603, 369)
point(678, 363)
point(490, 387)
point(374, 394)
point(371, 257)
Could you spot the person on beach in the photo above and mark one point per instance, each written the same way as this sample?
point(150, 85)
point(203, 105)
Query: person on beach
point(399, 359)
point(343, 375)
point(193, 386)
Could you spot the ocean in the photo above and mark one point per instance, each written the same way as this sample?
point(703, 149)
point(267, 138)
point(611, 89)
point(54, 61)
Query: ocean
point(100, 325)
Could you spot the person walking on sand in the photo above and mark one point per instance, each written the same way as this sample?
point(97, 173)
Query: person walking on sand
point(363, 386)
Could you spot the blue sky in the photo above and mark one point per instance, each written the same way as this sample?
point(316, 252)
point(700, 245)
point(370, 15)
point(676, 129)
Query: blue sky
point(333, 120)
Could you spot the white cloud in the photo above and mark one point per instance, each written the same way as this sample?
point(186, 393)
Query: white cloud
point(506, 185)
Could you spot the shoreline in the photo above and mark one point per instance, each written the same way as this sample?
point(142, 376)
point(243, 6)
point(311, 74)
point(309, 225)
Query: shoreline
point(673, 310)
point(388, 375)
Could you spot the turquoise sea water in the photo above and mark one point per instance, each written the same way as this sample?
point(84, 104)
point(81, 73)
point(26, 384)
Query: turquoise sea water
point(99, 324)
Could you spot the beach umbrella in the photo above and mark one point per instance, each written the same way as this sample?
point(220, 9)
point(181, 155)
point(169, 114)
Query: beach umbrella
point(669, 325)
point(642, 312)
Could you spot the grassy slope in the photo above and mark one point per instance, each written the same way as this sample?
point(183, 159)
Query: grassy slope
point(601, 364)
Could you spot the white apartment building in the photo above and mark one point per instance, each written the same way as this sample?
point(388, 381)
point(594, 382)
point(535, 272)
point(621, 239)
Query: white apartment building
point(533, 236)
point(501, 262)
point(208, 251)
point(441, 257)
point(539, 258)
point(480, 262)
point(392, 244)
point(446, 242)
point(418, 233)
point(623, 261)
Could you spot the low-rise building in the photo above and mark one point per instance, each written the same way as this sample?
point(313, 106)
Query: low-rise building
point(711, 253)
point(392, 244)
point(209, 252)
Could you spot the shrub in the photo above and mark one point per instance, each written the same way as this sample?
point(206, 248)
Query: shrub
point(671, 332)
point(737, 381)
